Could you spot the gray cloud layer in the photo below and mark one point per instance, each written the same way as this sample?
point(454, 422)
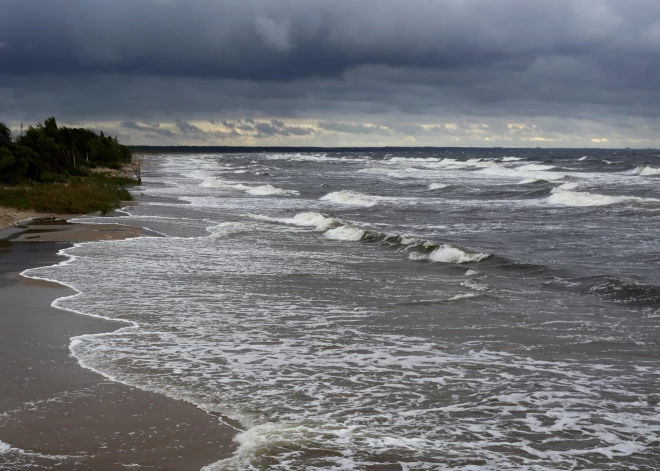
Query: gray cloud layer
point(330, 60)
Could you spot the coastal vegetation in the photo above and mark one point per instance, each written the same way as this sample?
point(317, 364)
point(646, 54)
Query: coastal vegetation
point(51, 168)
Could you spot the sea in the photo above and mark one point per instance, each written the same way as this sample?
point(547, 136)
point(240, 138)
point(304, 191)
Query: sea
point(446, 309)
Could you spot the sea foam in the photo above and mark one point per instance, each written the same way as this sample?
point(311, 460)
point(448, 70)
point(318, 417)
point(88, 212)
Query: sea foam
point(351, 198)
point(576, 198)
point(449, 254)
point(226, 229)
point(437, 186)
point(346, 232)
point(317, 220)
point(646, 170)
point(306, 219)
point(270, 190)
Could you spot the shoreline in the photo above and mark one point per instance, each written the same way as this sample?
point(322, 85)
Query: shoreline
point(21, 226)
point(63, 412)
point(9, 217)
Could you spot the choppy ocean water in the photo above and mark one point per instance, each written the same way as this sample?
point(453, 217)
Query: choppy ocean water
point(469, 310)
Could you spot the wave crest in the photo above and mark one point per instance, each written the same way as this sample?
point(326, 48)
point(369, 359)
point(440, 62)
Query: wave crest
point(270, 190)
point(449, 254)
point(576, 198)
point(646, 170)
point(437, 186)
point(346, 232)
point(351, 198)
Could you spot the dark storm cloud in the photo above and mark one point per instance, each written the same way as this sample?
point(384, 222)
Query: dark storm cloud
point(289, 39)
point(187, 128)
point(148, 128)
point(274, 127)
point(382, 63)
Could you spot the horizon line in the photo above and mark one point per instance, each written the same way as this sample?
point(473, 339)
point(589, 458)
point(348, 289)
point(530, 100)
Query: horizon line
point(371, 148)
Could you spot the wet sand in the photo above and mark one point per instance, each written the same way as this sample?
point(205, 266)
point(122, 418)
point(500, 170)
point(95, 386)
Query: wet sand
point(10, 216)
point(49, 405)
point(76, 232)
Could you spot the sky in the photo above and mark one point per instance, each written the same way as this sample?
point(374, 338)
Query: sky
point(509, 73)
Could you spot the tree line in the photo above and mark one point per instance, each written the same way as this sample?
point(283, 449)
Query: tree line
point(51, 153)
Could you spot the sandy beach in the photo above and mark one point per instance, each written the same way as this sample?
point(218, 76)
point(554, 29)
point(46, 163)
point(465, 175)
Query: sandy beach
point(10, 216)
point(56, 414)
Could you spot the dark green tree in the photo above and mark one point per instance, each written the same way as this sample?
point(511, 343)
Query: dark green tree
point(5, 135)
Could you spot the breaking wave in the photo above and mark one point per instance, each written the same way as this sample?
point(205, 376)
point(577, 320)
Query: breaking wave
point(308, 219)
point(317, 220)
point(270, 190)
point(646, 170)
point(527, 173)
point(569, 186)
point(437, 186)
point(262, 190)
point(449, 254)
point(346, 232)
point(351, 198)
point(575, 198)
point(213, 182)
point(336, 229)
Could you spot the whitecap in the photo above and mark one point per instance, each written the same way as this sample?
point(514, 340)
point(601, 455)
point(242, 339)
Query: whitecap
point(306, 219)
point(530, 171)
point(346, 232)
point(409, 240)
point(569, 186)
point(417, 256)
point(646, 170)
point(449, 254)
point(270, 190)
point(317, 220)
point(511, 159)
point(351, 198)
point(475, 285)
point(437, 186)
point(213, 182)
point(575, 198)
point(458, 297)
point(403, 174)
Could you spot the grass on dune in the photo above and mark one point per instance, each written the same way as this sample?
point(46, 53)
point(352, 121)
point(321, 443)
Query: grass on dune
point(79, 196)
